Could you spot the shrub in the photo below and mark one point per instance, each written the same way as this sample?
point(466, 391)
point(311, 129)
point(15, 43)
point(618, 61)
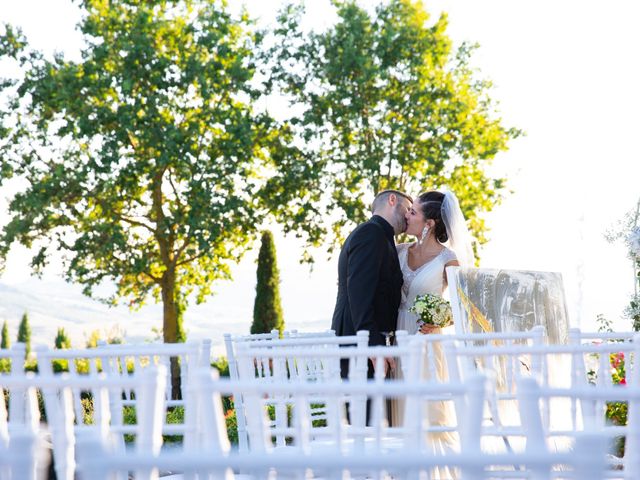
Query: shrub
point(616, 412)
point(232, 425)
point(222, 365)
point(62, 341)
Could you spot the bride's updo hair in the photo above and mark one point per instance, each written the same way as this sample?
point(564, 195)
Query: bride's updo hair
point(431, 206)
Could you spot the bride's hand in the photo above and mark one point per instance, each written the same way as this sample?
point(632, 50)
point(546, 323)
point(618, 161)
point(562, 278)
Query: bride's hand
point(426, 328)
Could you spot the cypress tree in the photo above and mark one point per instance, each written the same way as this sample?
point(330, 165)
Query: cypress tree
point(5, 363)
point(6, 342)
point(267, 311)
point(62, 341)
point(24, 332)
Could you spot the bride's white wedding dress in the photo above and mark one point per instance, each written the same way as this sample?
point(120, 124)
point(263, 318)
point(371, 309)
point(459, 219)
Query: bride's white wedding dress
point(429, 278)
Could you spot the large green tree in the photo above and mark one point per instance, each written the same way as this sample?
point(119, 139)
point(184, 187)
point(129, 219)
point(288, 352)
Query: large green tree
point(267, 309)
point(381, 100)
point(142, 160)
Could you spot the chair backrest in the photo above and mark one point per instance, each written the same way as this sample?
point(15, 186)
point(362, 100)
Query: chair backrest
point(231, 343)
point(20, 455)
point(593, 403)
point(297, 334)
point(439, 359)
point(12, 362)
point(587, 462)
point(568, 364)
point(19, 428)
point(256, 360)
point(294, 366)
point(124, 360)
point(339, 437)
point(66, 427)
point(339, 458)
point(594, 364)
point(578, 336)
point(434, 343)
point(282, 405)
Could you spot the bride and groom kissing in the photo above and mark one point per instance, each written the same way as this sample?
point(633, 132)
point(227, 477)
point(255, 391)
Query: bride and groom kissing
point(378, 280)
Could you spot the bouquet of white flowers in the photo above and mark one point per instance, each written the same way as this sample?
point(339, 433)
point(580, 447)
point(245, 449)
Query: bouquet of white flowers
point(432, 310)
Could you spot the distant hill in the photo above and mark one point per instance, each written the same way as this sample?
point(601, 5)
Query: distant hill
point(53, 303)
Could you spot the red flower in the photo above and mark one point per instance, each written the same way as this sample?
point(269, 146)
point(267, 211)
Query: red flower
point(616, 359)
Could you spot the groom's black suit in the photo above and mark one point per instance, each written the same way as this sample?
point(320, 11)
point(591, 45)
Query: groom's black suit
point(369, 282)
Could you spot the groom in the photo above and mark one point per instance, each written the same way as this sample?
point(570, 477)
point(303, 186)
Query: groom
point(369, 275)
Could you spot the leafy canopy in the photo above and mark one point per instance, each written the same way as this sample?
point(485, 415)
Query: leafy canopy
point(381, 100)
point(143, 160)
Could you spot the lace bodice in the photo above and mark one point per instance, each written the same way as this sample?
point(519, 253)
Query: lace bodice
point(428, 278)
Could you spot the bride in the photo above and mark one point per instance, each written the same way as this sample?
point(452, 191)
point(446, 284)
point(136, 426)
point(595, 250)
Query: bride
point(443, 240)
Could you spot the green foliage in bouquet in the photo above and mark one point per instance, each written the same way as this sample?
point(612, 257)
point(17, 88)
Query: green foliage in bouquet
point(432, 310)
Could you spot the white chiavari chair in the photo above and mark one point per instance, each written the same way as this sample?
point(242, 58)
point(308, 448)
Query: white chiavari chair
point(66, 429)
point(592, 402)
point(297, 334)
point(289, 359)
point(359, 407)
point(442, 363)
point(122, 361)
point(565, 368)
point(21, 447)
point(341, 458)
point(12, 362)
point(231, 343)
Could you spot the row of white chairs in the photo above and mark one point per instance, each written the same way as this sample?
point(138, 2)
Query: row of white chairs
point(66, 431)
point(315, 360)
point(344, 455)
point(117, 364)
point(511, 356)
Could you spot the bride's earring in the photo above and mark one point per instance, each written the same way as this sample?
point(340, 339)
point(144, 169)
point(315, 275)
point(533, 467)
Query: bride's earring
point(425, 230)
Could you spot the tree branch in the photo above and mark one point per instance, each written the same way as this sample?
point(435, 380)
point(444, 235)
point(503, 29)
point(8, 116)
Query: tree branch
point(182, 248)
point(152, 277)
point(131, 221)
point(175, 192)
point(190, 259)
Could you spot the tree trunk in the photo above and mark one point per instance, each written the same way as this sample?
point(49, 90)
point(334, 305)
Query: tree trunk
point(170, 326)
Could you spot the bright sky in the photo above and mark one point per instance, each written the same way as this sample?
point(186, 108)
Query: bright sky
point(564, 71)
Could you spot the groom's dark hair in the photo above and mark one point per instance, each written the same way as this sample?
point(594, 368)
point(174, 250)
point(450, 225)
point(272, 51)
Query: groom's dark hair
point(382, 197)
